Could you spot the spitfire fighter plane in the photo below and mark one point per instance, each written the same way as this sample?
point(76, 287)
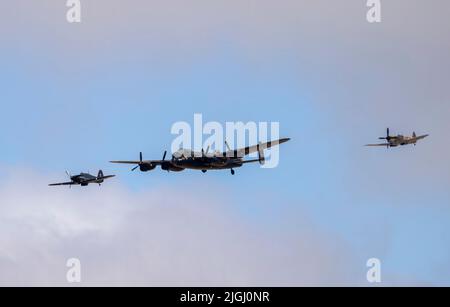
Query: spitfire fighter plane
point(188, 159)
point(84, 179)
point(399, 140)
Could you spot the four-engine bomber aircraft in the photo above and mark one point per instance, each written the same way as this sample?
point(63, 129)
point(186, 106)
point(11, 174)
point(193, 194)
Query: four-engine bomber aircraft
point(84, 179)
point(399, 140)
point(188, 159)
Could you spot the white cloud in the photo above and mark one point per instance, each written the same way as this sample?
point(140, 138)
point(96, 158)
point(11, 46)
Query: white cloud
point(165, 236)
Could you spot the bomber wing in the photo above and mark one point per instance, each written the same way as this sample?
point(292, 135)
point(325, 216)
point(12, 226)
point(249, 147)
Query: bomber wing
point(141, 161)
point(239, 153)
point(155, 162)
point(385, 144)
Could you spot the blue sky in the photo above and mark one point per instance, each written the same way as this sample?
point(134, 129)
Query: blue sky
point(78, 95)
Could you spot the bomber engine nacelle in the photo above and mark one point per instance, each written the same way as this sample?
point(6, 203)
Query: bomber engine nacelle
point(145, 167)
point(167, 166)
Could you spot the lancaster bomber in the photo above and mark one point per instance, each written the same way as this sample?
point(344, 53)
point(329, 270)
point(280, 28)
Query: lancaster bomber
point(399, 140)
point(84, 179)
point(188, 159)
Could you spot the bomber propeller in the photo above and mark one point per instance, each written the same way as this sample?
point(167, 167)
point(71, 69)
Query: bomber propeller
point(140, 162)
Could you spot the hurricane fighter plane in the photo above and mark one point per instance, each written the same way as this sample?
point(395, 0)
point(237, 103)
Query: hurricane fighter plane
point(204, 161)
point(399, 140)
point(84, 179)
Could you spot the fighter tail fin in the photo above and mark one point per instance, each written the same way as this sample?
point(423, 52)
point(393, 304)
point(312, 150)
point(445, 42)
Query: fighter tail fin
point(100, 174)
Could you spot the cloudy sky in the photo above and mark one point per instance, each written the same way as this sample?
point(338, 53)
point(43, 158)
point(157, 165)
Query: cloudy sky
point(75, 96)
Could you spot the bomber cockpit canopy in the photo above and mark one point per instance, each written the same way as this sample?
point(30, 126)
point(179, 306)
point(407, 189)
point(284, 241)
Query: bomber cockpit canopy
point(183, 153)
point(188, 153)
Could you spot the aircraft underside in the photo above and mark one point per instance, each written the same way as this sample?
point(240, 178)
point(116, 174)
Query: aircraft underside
point(200, 165)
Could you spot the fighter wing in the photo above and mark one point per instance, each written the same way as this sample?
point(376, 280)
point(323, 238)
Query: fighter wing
point(385, 144)
point(105, 177)
point(95, 179)
point(421, 137)
point(62, 183)
point(99, 178)
point(239, 153)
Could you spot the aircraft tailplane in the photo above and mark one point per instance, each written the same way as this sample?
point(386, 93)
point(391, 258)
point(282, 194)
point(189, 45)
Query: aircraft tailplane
point(261, 157)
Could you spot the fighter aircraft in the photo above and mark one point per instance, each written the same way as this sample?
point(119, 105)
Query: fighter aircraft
point(84, 179)
point(399, 140)
point(188, 159)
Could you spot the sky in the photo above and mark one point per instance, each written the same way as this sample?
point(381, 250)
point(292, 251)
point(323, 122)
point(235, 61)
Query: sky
point(77, 95)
